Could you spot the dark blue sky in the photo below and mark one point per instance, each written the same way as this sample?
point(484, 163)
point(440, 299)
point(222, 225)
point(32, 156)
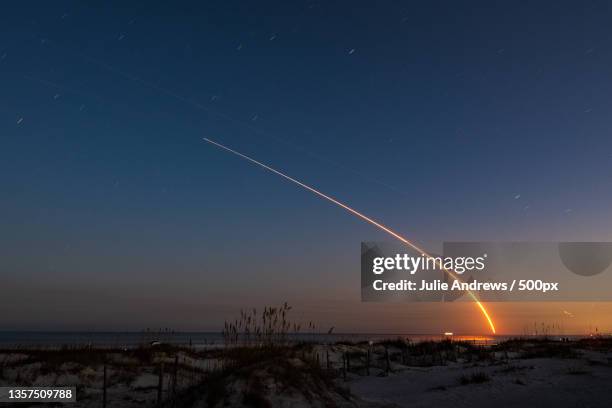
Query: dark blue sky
point(447, 121)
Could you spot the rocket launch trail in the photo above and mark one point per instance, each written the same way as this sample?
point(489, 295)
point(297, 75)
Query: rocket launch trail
point(357, 214)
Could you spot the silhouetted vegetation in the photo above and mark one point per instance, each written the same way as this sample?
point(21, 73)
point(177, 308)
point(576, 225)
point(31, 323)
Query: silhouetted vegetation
point(474, 378)
point(269, 328)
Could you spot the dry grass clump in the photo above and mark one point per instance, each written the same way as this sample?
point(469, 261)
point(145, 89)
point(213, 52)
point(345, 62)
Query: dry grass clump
point(551, 350)
point(271, 327)
point(261, 362)
point(475, 378)
point(258, 374)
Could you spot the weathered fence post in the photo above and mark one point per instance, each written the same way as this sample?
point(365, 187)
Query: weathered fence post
point(160, 383)
point(368, 361)
point(104, 388)
point(348, 362)
point(387, 359)
point(344, 365)
point(327, 357)
point(175, 375)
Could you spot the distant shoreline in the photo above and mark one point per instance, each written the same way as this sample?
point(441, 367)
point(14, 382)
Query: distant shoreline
point(131, 339)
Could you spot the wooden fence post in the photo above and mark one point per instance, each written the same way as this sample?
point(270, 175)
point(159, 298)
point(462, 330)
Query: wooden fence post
point(387, 358)
point(160, 383)
point(175, 375)
point(348, 362)
point(104, 388)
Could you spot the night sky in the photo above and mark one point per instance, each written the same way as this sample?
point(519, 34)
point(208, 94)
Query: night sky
point(446, 121)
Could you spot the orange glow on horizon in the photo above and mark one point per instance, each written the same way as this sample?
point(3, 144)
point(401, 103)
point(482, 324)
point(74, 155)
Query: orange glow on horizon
point(358, 214)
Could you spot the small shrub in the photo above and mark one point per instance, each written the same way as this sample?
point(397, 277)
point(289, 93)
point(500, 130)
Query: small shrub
point(577, 371)
point(475, 378)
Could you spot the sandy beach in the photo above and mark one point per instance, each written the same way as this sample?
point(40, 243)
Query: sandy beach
point(394, 373)
point(518, 382)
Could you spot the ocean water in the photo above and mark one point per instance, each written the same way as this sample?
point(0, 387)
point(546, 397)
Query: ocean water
point(30, 339)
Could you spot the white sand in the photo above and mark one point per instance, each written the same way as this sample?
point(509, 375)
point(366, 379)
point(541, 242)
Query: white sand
point(509, 381)
point(519, 383)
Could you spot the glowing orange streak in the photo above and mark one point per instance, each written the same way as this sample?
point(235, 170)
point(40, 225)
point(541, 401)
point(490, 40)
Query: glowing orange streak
point(358, 214)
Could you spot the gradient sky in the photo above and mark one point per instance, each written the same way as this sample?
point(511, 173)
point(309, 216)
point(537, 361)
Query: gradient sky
point(472, 121)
